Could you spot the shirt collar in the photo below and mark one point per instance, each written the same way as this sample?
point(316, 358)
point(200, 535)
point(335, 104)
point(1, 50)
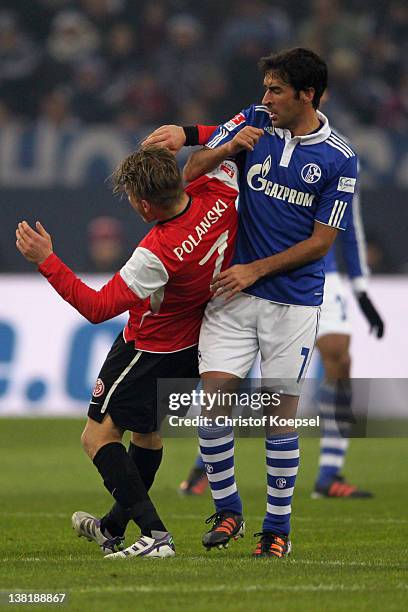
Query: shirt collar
point(320, 135)
point(187, 207)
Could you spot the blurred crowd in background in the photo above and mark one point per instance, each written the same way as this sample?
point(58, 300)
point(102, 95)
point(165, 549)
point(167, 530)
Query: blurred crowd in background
point(137, 62)
point(106, 249)
point(69, 66)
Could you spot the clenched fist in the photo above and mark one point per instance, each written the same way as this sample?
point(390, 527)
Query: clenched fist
point(245, 140)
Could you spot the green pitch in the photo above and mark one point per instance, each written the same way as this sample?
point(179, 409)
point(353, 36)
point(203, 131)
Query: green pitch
point(348, 555)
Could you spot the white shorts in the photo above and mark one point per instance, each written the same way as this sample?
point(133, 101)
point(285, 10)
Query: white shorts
point(334, 318)
point(233, 332)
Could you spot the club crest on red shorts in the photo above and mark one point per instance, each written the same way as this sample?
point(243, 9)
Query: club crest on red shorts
point(99, 388)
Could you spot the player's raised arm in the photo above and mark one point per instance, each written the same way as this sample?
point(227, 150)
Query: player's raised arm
point(207, 159)
point(174, 137)
point(113, 299)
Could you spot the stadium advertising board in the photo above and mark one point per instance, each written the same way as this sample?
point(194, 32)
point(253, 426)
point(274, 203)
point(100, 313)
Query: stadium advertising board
point(50, 356)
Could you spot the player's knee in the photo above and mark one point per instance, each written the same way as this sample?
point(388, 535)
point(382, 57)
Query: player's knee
point(340, 364)
point(91, 441)
point(344, 365)
point(87, 442)
point(337, 363)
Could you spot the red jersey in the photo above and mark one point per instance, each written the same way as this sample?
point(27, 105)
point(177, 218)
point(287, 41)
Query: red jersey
point(165, 285)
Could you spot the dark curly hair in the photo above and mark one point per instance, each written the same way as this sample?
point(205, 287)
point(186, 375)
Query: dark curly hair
point(299, 68)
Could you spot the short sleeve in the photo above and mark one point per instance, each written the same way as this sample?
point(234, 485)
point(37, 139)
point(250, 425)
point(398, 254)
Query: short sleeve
point(227, 174)
point(144, 273)
point(222, 181)
point(226, 132)
point(335, 202)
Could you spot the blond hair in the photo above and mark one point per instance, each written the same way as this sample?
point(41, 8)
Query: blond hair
point(150, 174)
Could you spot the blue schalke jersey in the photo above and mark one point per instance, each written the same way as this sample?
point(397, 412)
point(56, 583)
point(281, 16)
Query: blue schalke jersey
point(286, 184)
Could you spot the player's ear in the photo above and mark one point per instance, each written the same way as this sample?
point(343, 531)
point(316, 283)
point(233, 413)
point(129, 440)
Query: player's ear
point(146, 206)
point(307, 95)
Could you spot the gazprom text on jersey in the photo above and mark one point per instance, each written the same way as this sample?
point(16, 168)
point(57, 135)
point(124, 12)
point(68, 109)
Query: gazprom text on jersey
point(281, 192)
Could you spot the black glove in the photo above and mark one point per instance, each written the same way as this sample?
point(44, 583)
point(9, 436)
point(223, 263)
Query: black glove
point(371, 314)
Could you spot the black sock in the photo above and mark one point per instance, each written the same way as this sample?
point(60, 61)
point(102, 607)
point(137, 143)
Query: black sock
point(148, 462)
point(122, 479)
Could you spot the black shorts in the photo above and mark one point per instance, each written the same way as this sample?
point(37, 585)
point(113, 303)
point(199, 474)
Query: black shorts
point(126, 387)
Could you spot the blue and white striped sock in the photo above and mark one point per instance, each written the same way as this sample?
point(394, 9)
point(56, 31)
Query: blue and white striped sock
point(282, 462)
point(217, 452)
point(335, 415)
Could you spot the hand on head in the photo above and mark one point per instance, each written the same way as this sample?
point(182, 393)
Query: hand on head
point(171, 137)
